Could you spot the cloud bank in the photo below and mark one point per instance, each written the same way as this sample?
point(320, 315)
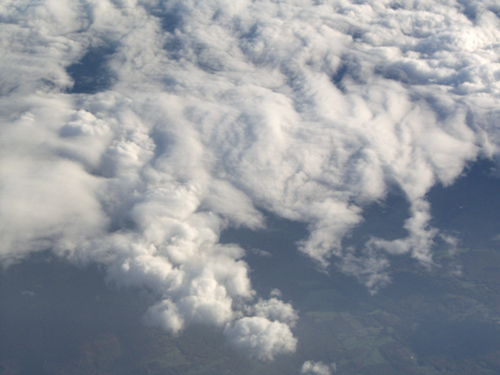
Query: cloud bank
point(134, 132)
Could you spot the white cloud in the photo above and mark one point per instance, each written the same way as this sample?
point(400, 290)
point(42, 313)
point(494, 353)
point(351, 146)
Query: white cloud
point(275, 310)
point(260, 337)
point(317, 368)
point(218, 109)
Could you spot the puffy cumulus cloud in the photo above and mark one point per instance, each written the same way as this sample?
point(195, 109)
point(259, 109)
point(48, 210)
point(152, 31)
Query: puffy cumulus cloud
point(274, 309)
point(261, 338)
point(46, 200)
point(317, 368)
point(308, 109)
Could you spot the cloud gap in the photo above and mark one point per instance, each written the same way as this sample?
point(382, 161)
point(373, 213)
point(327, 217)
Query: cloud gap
point(91, 74)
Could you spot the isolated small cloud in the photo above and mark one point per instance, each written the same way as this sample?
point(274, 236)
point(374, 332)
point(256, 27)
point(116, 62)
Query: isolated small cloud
point(317, 368)
point(262, 253)
point(370, 268)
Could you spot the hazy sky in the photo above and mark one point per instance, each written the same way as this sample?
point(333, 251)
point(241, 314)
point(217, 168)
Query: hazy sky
point(134, 132)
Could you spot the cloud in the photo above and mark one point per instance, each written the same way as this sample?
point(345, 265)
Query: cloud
point(274, 309)
point(371, 268)
point(260, 337)
point(317, 368)
point(219, 109)
point(262, 253)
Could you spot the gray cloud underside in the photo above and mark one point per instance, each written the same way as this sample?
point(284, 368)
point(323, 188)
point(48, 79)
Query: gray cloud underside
point(212, 110)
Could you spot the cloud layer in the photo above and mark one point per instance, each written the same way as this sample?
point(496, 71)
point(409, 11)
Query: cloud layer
point(188, 117)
